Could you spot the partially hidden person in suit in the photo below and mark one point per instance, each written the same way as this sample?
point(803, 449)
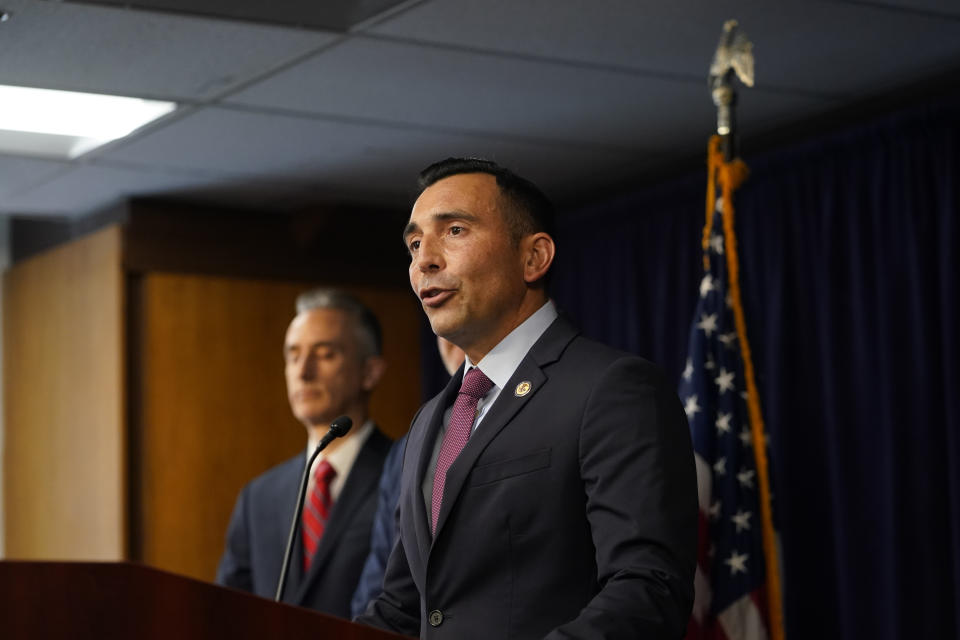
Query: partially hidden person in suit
point(332, 354)
point(549, 491)
point(384, 533)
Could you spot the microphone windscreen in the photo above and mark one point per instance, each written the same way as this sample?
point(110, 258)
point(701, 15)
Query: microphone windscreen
point(340, 426)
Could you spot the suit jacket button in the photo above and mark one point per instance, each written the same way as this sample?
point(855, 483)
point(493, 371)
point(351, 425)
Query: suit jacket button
point(436, 618)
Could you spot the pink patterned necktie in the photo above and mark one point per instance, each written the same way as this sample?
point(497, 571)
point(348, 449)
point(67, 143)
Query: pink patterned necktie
point(475, 386)
point(317, 510)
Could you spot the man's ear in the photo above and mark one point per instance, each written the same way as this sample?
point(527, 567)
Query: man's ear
point(373, 369)
point(538, 252)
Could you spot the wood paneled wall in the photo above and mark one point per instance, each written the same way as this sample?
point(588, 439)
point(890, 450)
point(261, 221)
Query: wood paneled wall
point(144, 376)
point(209, 408)
point(64, 402)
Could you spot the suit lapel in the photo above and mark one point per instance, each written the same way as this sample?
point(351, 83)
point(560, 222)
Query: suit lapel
point(288, 497)
point(545, 351)
point(442, 401)
point(363, 479)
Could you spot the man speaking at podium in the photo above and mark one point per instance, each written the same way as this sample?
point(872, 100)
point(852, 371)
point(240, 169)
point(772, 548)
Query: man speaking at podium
point(332, 355)
point(549, 490)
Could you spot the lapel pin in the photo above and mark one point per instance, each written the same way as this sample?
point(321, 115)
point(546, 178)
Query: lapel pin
point(522, 389)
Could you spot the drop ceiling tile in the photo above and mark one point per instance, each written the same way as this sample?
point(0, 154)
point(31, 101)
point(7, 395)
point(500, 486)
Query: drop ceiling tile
point(830, 48)
point(19, 174)
point(940, 7)
point(88, 188)
point(621, 33)
point(522, 99)
point(108, 50)
point(336, 15)
point(342, 158)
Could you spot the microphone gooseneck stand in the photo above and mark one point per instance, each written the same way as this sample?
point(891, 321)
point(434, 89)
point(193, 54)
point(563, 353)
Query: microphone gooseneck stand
point(338, 427)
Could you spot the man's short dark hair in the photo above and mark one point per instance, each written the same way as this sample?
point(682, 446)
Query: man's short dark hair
point(530, 211)
point(367, 327)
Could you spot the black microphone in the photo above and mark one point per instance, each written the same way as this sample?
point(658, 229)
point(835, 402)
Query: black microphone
point(338, 427)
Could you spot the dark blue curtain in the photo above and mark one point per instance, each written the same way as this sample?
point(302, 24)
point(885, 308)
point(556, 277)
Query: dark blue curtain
point(851, 285)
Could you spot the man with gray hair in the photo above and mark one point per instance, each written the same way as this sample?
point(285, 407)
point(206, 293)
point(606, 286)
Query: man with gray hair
point(333, 361)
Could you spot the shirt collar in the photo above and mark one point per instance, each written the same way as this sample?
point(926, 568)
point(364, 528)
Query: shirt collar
point(500, 363)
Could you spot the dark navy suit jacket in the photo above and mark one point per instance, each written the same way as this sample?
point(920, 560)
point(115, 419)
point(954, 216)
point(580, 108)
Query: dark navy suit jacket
point(257, 534)
point(570, 513)
point(384, 533)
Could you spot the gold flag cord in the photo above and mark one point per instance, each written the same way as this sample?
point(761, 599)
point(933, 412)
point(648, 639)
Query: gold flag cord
point(729, 176)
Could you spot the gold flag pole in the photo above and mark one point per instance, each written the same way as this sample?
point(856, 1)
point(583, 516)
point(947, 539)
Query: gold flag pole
point(734, 56)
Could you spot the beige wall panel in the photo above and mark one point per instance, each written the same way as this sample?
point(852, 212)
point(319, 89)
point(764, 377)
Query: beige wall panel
point(212, 403)
point(64, 402)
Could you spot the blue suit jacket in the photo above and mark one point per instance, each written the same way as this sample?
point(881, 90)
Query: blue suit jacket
point(570, 513)
point(384, 533)
point(258, 530)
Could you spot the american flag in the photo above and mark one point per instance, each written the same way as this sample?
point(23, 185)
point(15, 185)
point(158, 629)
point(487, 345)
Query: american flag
point(730, 601)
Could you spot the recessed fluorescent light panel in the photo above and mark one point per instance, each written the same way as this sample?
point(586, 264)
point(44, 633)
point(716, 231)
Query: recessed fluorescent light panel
point(68, 124)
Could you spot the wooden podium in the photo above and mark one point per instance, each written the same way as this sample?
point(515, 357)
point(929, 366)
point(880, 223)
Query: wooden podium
point(90, 600)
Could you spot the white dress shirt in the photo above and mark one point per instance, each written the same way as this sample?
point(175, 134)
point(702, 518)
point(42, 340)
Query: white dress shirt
point(341, 458)
point(499, 365)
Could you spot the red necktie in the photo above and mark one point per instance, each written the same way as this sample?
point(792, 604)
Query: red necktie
point(317, 510)
point(475, 386)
